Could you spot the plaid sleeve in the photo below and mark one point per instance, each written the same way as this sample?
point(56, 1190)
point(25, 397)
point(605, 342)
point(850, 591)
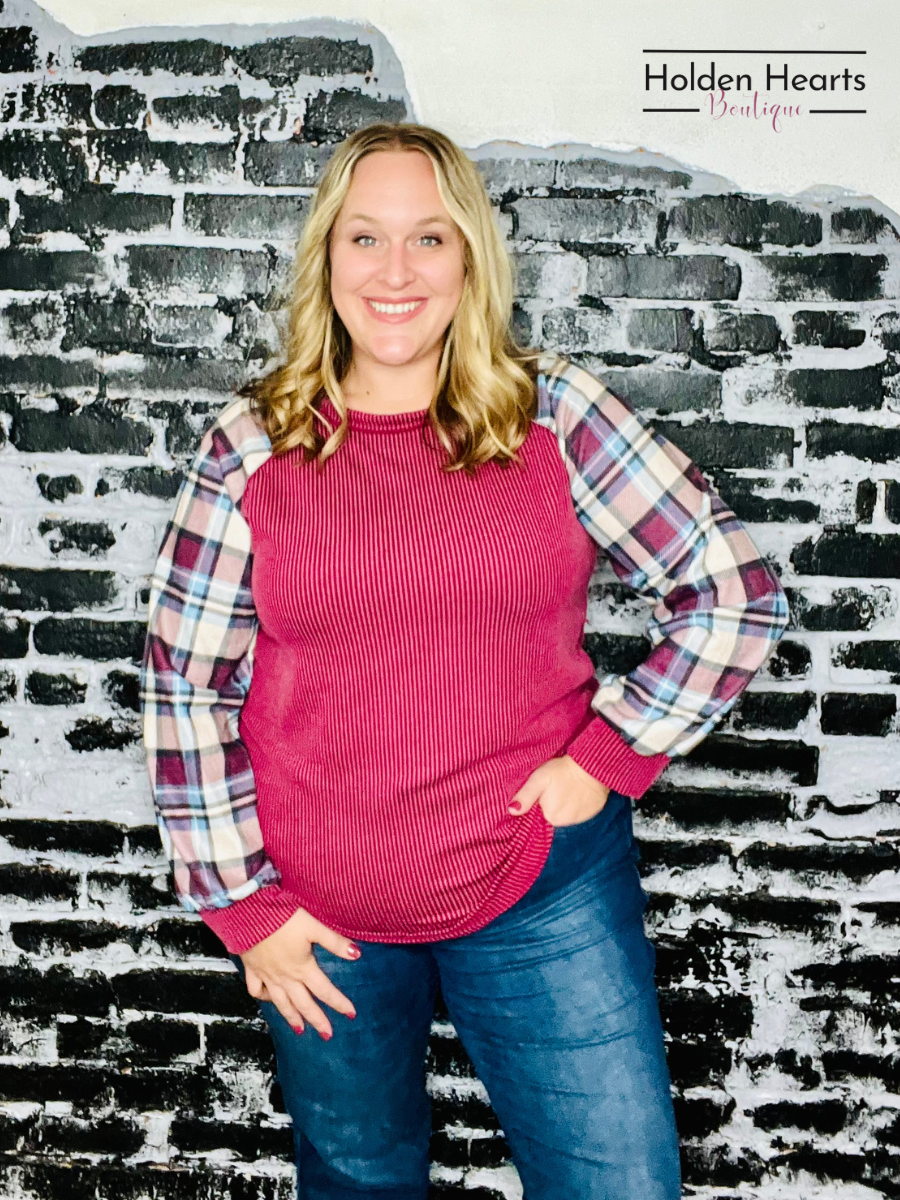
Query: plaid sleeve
point(196, 671)
point(718, 607)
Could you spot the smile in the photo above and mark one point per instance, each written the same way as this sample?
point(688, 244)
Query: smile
point(406, 306)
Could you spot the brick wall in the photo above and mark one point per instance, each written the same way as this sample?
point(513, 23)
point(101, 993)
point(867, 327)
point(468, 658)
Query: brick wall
point(150, 192)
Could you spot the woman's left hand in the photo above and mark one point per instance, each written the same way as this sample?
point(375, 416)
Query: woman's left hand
point(566, 792)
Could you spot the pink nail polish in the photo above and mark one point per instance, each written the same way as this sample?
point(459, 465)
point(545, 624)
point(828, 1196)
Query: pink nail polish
point(515, 806)
point(297, 1028)
point(326, 1037)
point(351, 1016)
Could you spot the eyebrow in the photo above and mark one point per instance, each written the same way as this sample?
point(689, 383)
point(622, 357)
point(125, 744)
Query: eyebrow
point(437, 219)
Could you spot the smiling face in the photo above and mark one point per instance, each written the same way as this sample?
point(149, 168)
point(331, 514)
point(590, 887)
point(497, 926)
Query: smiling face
point(397, 266)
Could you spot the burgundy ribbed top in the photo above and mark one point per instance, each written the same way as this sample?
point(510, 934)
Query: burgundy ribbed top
point(419, 654)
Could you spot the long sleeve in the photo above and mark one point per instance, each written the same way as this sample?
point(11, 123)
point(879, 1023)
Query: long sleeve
point(196, 671)
point(718, 607)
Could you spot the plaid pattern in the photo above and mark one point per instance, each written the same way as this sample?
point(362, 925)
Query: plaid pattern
point(718, 610)
point(197, 665)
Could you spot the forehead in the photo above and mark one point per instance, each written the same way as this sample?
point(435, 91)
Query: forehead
point(394, 173)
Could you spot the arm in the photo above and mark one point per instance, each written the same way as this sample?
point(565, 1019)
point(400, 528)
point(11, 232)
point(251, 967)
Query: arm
point(196, 671)
point(718, 608)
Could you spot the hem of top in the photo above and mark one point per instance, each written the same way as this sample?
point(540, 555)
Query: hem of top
point(472, 923)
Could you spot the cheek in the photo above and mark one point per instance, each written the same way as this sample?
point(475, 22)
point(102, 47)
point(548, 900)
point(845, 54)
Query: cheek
point(346, 272)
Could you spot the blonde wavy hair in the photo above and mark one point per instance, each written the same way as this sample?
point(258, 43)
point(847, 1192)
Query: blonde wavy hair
point(484, 397)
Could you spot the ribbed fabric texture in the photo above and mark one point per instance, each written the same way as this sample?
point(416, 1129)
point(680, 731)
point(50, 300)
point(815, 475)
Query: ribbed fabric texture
point(419, 654)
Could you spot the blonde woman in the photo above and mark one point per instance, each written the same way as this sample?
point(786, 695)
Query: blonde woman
point(382, 761)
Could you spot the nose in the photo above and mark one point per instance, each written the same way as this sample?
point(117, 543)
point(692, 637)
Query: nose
point(396, 267)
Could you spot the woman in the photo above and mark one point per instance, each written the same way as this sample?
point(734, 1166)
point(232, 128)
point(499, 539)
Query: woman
point(392, 534)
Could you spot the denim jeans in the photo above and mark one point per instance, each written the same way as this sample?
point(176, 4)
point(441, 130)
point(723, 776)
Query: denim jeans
point(555, 1003)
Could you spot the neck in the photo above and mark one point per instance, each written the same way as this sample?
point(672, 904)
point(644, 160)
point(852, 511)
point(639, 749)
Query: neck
point(372, 386)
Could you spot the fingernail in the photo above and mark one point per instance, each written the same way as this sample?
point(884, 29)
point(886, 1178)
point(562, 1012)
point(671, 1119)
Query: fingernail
point(297, 1028)
point(515, 806)
point(326, 1037)
point(351, 1016)
point(354, 950)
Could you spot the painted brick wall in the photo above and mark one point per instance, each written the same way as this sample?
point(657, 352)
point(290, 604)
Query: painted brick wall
point(150, 193)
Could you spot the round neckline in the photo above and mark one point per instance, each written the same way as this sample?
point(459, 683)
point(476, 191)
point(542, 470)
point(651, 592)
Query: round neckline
point(371, 422)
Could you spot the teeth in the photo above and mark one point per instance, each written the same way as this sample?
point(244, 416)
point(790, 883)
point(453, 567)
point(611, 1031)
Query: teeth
point(395, 308)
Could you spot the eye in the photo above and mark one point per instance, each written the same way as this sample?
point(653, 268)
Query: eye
point(367, 237)
point(433, 237)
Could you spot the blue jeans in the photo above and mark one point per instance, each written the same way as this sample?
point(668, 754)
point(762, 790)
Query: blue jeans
point(555, 1003)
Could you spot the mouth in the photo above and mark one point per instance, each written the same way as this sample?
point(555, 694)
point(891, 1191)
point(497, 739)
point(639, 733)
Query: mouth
point(394, 310)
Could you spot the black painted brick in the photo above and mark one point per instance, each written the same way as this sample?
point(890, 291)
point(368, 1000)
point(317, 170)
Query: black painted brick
point(41, 270)
point(55, 589)
point(156, 1040)
point(858, 714)
point(669, 329)
point(874, 654)
point(46, 371)
point(733, 807)
point(697, 1014)
point(824, 276)
point(290, 163)
point(122, 688)
point(854, 555)
point(765, 756)
point(93, 538)
point(716, 444)
point(685, 277)
point(831, 329)
point(198, 269)
point(37, 883)
point(99, 733)
point(96, 428)
point(18, 49)
point(46, 938)
point(84, 637)
point(870, 443)
point(221, 109)
point(26, 991)
point(824, 1116)
point(282, 60)
point(698, 1063)
point(41, 688)
point(88, 211)
point(860, 225)
point(139, 889)
point(13, 637)
point(59, 487)
point(823, 859)
point(218, 992)
point(772, 710)
point(700, 1116)
point(332, 116)
point(757, 333)
point(860, 388)
point(196, 56)
point(119, 105)
point(145, 481)
point(246, 1142)
point(667, 391)
point(892, 500)
point(271, 217)
point(120, 151)
point(742, 497)
point(866, 495)
point(113, 324)
point(61, 104)
point(740, 221)
point(27, 154)
point(101, 839)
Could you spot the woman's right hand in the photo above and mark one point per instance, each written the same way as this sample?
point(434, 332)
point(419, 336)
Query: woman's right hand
point(283, 969)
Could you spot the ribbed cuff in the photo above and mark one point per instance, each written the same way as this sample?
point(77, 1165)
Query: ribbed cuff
point(603, 753)
point(245, 922)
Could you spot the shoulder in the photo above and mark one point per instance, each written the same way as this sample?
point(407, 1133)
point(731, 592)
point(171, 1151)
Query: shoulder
point(569, 395)
point(232, 449)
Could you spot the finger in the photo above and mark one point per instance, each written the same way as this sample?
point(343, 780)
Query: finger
point(286, 1006)
point(335, 942)
point(322, 987)
point(526, 797)
point(254, 984)
point(301, 999)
